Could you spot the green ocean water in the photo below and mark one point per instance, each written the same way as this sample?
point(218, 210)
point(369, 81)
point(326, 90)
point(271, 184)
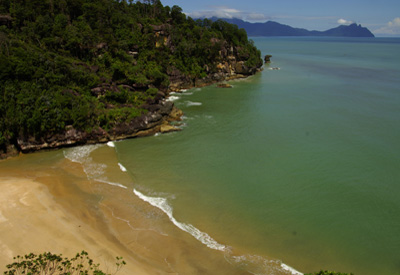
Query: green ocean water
point(301, 164)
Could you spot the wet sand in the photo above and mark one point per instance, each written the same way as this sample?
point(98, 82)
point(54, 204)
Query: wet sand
point(57, 209)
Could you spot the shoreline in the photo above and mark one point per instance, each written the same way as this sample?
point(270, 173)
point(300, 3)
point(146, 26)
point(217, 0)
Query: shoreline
point(57, 208)
point(161, 120)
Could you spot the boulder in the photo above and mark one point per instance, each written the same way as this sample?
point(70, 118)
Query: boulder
point(224, 85)
point(166, 128)
point(175, 115)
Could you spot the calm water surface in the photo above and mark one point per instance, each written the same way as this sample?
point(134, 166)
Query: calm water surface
point(300, 164)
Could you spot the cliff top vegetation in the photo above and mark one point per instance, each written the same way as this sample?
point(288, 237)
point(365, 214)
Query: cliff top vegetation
point(93, 65)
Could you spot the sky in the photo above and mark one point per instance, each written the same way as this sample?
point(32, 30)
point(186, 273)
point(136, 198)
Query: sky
point(382, 17)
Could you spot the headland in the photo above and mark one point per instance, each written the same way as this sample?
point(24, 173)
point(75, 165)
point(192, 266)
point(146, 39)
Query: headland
point(103, 71)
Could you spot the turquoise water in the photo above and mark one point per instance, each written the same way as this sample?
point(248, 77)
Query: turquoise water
point(301, 164)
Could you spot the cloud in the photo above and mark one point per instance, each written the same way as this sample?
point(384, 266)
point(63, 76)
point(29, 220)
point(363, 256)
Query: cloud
point(220, 12)
point(227, 12)
point(342, 21)
point(256, 17)
point(392, 28)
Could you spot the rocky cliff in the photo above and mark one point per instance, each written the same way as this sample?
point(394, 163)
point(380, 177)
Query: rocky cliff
point(230, 65)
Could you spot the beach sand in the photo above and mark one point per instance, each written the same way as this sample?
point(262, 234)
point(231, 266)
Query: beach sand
point(31, 220)
point(57, 209)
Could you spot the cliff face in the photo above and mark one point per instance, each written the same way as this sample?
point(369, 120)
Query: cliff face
point(229, 66)
point(229, 63)
point(156, 120)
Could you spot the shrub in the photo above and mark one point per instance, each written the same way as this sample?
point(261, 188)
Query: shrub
point(48, 263)
point(326, 272)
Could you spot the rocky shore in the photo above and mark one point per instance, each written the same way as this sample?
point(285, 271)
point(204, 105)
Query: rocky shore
point(160, 117)
point(159, 112)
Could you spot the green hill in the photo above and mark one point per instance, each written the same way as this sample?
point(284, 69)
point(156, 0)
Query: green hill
point(82, 71)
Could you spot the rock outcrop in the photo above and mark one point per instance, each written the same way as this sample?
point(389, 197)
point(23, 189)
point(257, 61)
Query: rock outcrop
point(224, 85)
point(157, 119)
point(230, 63)
point(229, 66)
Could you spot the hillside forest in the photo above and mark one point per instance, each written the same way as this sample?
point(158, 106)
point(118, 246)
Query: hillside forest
point(90, 65)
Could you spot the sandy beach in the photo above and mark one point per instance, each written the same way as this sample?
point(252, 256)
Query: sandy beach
point(32, 221)
point(57, 209)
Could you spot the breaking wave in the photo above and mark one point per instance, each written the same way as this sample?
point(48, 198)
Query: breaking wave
point(96, 171)
point(163, 205)
point(111, 144)
point(93, 170)
point(80, 154)
point(255, 264)
point(191, 103)
point(123, 169)
point(173, 98)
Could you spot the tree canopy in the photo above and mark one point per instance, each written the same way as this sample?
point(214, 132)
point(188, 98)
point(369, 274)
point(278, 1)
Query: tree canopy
point(93, 64)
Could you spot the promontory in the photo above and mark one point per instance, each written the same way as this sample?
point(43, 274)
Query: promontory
point(79, 71)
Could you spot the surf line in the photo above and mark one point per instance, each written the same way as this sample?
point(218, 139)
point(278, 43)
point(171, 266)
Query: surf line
point(162, 204)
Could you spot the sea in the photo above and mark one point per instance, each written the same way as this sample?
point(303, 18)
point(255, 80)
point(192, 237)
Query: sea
point(298, 163)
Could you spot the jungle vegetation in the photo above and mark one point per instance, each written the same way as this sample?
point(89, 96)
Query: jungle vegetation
point(55, 53)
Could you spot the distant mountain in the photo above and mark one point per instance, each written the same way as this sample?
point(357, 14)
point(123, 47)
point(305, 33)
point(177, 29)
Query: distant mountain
point(272, 28)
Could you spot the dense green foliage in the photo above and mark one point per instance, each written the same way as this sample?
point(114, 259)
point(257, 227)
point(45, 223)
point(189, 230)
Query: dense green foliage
point(54, 53)
point(48, 263)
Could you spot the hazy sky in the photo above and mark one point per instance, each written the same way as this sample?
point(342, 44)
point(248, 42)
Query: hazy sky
point(382, 17)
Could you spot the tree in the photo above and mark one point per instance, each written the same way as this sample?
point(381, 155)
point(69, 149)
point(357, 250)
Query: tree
point(48, 263)
point(177, 15)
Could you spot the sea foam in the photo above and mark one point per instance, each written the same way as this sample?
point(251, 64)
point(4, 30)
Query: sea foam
point(123, 169)
point(93, 170)
point(290, 269)
point(191, 103)
point(256, 264)
point(81, 153)
point(112, 183)
point(173, 98)
point(111, 144)
point(163, 205)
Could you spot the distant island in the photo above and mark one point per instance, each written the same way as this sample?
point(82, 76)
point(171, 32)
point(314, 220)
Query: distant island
point(272, 28)
point(78, 72)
